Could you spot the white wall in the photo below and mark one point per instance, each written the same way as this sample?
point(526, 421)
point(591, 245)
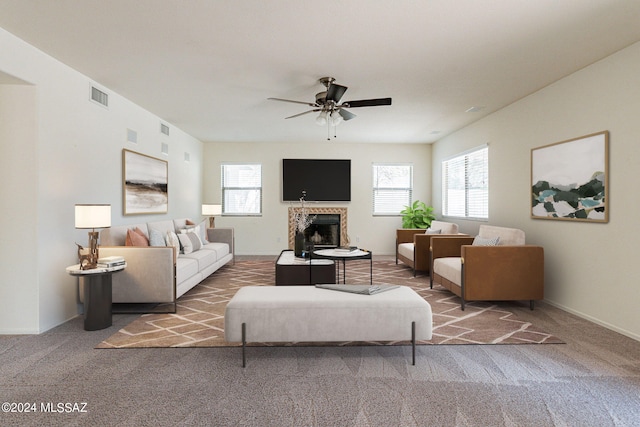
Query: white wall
point(267, 234)
point(68, 150)
point(589, 267)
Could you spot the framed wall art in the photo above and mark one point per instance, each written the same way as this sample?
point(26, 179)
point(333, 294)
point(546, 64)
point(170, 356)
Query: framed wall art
point(570, 179)
point(145, 184)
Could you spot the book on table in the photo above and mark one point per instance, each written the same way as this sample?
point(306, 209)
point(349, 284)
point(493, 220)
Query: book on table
point(346, 249)
point(111, 261)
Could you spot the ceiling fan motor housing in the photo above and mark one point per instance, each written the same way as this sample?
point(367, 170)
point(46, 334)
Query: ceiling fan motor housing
point(321, 97)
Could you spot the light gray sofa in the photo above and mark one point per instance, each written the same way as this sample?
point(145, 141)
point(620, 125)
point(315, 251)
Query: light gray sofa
point(154, 274)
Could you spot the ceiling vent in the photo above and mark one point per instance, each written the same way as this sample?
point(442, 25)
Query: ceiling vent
point(164, 128)
point(99, 96)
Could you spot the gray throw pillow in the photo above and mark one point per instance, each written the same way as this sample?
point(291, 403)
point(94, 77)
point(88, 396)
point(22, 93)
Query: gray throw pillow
point(431, 231)
point(482, 241)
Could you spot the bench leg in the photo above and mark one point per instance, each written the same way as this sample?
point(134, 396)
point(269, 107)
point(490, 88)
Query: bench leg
point(413, 342)
point(244, 344)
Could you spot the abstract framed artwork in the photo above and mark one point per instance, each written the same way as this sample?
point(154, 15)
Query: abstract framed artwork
point(145, 182)
point(569, 179)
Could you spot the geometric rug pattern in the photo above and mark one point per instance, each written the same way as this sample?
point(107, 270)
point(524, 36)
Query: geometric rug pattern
point(199, 320)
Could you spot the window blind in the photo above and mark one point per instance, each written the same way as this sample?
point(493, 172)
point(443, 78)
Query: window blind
point(465, 185)
point(241, 189)
point(392, 188)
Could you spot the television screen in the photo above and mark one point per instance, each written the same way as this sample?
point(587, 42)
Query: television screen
point(322, 180)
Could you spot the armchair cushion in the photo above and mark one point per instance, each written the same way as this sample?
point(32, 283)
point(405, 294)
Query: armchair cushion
point(432, 231)
point(444, 227)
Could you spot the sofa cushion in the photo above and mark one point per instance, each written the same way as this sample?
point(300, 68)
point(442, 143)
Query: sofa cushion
point(449, 268)
point(406, 250)
point(202, 232)
point(173, 241)
point(136, 237)
point(185, 268)
point(204, 258)
point(221, 249)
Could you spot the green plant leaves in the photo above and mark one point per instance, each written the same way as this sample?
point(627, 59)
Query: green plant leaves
point(418, 215)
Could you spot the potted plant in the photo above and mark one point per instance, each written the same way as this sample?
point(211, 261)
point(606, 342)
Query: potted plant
point(302, 220)
point(418, 215)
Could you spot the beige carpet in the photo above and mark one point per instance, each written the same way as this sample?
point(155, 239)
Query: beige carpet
point(199, 321)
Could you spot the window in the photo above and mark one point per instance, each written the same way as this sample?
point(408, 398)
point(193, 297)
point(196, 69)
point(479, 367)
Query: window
point(392, 188)
point(465, 185)
point(241, 189)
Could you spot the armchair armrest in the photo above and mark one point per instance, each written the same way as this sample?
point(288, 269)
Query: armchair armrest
point(503, 272)
point(448, 246)
point(405, 235)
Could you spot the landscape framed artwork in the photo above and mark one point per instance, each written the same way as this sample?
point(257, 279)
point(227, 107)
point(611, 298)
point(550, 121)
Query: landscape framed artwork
point(569, 179)
point(145, 184)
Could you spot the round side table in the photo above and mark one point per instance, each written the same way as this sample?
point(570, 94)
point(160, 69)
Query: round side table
point(96, 285)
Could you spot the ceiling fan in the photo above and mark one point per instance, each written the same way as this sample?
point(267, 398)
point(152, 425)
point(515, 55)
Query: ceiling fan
point(327, 103)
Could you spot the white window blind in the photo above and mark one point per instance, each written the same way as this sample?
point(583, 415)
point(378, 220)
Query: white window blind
point(241, 189)
point(392, 188)
point(465, 185)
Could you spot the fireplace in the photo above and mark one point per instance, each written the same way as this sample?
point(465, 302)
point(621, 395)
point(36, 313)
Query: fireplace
point(324, 231)
point(328, 230)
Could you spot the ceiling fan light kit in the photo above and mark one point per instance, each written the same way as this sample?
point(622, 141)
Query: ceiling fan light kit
point(327, 103)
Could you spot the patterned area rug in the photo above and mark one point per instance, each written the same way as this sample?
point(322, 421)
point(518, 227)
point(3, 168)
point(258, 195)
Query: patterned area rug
point(199, 321)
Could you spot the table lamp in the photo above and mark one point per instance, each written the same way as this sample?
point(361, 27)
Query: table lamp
point(92, 216)
point(211, 211)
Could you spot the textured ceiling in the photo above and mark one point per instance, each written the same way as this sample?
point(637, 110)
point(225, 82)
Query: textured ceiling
point(209, 66)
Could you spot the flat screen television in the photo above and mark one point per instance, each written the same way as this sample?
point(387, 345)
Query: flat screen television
point(323, 180)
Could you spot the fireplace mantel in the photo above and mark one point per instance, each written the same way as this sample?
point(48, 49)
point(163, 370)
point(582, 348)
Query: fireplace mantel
point(317, 211)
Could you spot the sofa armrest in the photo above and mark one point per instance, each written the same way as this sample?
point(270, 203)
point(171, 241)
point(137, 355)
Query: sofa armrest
point(149, 276)
point(448, 245)
point(503, 272)
point(222, 235)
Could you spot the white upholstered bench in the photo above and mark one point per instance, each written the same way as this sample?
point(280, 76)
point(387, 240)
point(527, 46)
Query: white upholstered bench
point(310, 314)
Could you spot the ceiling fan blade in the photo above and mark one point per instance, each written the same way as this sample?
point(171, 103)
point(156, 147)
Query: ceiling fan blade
point(335, 92)
point(302, 114)
point(346, 115)
point(367, 102)
point(295, 102)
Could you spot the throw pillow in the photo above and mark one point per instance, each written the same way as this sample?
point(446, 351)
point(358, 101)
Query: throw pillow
point(185, 243)
point(431, 231)
point(195, 241)
point(202, 228)
point(136, 238)
point(482, 241)
point(172, 240)
point(156, 238)
point(189, 222)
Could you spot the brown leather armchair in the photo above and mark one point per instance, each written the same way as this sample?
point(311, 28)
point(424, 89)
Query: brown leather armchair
point(510, 271)
point(412, 244)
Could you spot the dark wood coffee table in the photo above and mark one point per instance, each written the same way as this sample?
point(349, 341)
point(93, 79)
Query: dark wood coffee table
point(299, 271)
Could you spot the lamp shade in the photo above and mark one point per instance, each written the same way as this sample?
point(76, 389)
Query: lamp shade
point(211, 210)
point(93, 216)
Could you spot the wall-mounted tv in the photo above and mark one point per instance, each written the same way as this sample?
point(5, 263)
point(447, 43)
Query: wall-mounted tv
point(323, 180)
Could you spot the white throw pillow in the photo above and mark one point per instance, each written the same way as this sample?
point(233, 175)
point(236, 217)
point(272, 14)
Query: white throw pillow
point(431, 231)
point(185, 243)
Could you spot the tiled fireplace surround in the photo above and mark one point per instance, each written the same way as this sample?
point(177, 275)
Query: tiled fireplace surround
point(342, 212)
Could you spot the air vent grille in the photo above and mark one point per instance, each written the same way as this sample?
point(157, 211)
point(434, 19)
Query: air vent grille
point(164, 128)
point(132, 136)
point(99, 96)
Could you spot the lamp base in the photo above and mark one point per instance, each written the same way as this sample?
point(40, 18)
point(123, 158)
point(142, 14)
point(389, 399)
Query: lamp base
point(89, 257)
point(212, 222)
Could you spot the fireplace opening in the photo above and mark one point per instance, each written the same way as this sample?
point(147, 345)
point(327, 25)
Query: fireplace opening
point(324, 231)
